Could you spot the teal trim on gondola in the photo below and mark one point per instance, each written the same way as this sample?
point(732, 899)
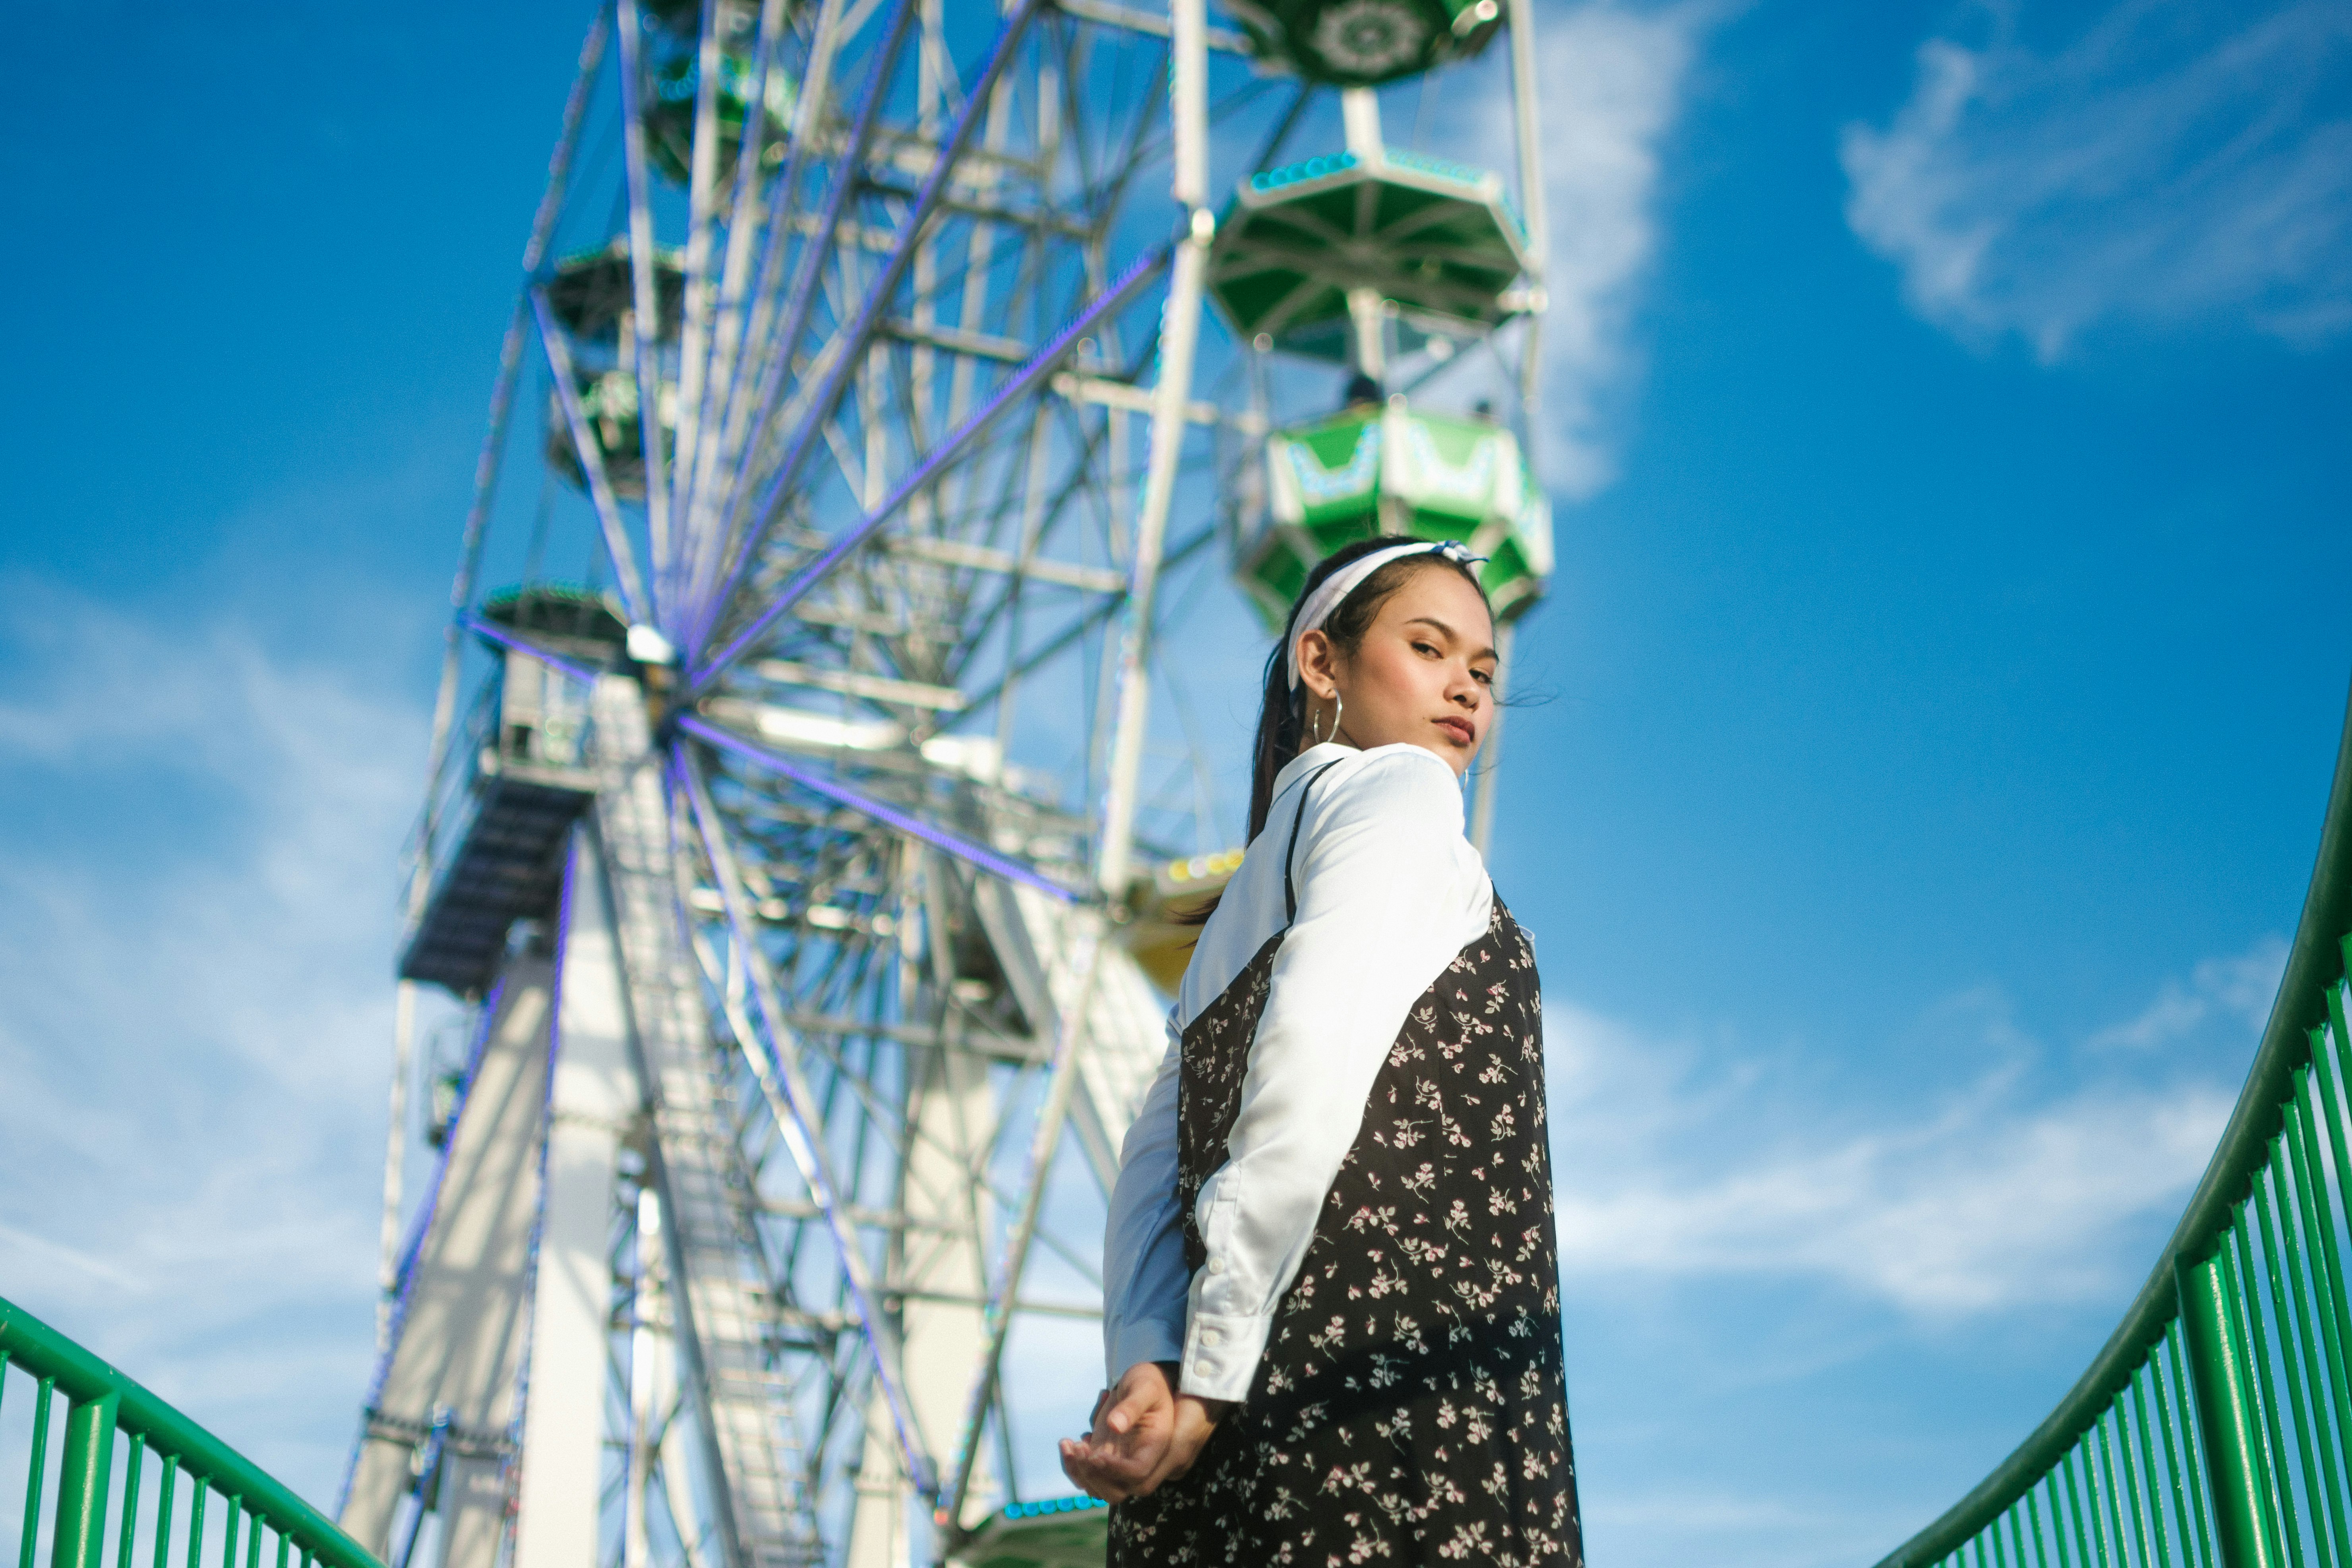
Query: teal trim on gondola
point(1438, 238)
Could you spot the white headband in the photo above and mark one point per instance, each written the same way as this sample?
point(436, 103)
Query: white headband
point(1329, 594)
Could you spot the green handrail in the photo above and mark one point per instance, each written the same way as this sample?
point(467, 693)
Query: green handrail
point(100, 1402)
point(2224, 1397)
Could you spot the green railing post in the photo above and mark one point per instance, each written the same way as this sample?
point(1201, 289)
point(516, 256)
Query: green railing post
point(43, 1393)
point(2220, 1382)
point(103, 1402)
point(2243, 1327)
point(83, 1481)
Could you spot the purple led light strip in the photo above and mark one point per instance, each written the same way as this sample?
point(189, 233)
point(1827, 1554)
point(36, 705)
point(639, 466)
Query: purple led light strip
point(906, 822)
point(800, 1118)
point(979, 95)
point(1040, 366)
point(505, 638)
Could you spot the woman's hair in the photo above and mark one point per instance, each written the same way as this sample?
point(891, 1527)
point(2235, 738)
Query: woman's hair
point(1282, 712)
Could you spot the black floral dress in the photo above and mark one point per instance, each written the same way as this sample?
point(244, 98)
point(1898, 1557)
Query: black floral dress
point(1412, 1406)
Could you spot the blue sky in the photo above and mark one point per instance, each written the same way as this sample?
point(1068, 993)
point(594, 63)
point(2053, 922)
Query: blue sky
point(1946, 411)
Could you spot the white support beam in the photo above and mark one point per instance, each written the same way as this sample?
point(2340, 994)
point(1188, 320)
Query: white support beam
point(593, 1096)
point(458, 1344)
point(1179, 330)
point(1135, 19)
point(1071, 387)
point(982, 558)
point(856, 683)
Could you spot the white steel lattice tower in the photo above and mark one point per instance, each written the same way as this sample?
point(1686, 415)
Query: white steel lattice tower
point(791, 882)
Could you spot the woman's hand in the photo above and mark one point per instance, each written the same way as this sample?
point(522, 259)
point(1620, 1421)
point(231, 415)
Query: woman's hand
point(1144, 1433)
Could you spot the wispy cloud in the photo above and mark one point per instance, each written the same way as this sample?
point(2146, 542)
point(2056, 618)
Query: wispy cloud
point(2174, 164)
point(1612, 87)
point(195, 1011)
point(1696, 1160)
point(2234, 991)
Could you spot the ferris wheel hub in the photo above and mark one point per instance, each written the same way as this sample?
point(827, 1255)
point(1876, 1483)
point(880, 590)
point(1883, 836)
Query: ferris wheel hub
point(1364, 43)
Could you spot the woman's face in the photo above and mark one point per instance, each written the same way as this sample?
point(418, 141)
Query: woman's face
point(1423, 675)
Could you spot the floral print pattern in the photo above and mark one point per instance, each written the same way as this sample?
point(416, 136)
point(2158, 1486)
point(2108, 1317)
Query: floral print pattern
point(1412, 1406)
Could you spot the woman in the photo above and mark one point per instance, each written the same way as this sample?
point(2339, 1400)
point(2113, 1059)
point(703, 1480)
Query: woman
point(1331, 1299)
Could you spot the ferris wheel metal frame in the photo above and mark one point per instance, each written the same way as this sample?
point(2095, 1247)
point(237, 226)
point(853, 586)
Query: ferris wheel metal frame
point(791, 887)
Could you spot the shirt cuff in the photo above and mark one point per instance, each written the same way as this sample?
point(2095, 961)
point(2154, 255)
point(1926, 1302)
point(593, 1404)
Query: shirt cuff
point(1221, 1353)
point(1141, 1340)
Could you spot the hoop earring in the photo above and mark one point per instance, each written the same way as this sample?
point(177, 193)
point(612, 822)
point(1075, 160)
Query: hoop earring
point(1338, 706)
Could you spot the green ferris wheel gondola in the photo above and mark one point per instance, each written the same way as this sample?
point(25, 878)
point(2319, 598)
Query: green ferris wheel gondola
point(1362, 43)
point(591, 291)
point(1373, 469)
point(1439, 238)
point(609, 403)
point(670, 114)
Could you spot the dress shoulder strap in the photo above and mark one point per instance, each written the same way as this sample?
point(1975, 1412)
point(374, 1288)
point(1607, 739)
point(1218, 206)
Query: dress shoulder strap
point(1299, 818)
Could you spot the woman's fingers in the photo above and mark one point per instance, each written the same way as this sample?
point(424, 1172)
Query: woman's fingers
point(1123, 1455)
point(1137, 1399)
point(1092, 1476)
point(1076, 1466)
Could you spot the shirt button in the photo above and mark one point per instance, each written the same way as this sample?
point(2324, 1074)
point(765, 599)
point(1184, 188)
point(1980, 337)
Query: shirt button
point(1216, 1266)
point(1211, 1337)
point(1204, 1366)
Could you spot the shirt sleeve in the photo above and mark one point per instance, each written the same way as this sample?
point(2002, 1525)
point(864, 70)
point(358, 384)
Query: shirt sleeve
point(1144, 1271)
point(1388, 893)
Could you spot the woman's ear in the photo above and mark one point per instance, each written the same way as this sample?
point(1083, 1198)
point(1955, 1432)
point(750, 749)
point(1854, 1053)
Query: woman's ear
point(1317, 661)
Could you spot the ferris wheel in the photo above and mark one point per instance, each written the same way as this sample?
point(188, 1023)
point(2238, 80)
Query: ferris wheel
point(893, 384)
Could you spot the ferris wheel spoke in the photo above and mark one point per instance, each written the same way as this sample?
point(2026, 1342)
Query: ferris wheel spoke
point(979, 249)
point(847, 167)
point(744, 318)
point(1151, 24)
point(1111, 583)
point(1092, 619)
point(963, 537)
point(879, 292)
point(803, 1127)
point(697, 350)
point(967, 1167)
point(1145, 270)
point(644, 317)
point(779, 1118)
point(592, 458)
point(1053, 1117)
point(976, 347)
point(881, 811)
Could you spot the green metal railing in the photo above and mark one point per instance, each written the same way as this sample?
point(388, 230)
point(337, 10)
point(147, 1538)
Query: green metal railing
point(2215, 1427)
point(92, 1477)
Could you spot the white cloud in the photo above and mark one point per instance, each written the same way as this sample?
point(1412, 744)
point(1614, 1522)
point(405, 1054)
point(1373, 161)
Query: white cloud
point(2174, 164)
point(1612, 83)
point(1687, 1161)
point(195, 989)
point(2235, 990)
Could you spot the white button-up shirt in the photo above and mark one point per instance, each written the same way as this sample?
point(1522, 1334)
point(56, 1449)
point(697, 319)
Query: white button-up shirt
point(1389, 891)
